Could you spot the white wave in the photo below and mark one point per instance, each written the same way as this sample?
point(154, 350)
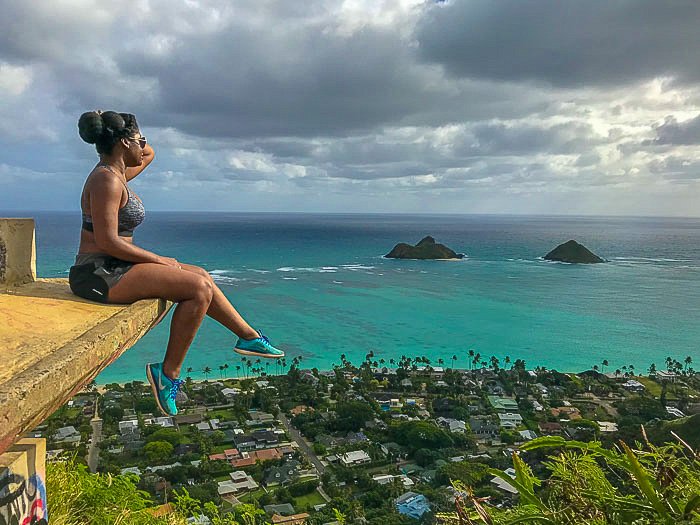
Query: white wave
point(258, 271)
point(325, 269)
point(338, 282)
point(219, 272)
point(652, 259)
point(290, 278)
point(225, 279)
point(355, 267)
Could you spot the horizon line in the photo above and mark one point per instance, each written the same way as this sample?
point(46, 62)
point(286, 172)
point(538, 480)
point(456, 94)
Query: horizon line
point(427, 214)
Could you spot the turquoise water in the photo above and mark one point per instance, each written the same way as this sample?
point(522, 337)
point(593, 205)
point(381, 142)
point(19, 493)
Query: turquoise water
point(318, 286)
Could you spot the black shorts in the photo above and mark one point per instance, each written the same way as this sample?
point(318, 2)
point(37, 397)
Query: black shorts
point(93, 274)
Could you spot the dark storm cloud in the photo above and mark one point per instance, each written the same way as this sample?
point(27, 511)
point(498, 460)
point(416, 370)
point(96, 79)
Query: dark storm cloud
point(564, 42)
point(672, 132)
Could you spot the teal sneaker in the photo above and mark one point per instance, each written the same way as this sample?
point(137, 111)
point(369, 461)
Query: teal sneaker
point(164, 389)
point(260, 347)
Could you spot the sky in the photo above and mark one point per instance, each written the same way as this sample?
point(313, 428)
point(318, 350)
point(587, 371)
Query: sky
point(472, 106)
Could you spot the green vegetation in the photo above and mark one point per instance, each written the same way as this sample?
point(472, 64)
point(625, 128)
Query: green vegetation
point(592, 485)
point(76, 497)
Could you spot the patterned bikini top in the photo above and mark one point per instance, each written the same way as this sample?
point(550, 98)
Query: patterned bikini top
point(130, 215)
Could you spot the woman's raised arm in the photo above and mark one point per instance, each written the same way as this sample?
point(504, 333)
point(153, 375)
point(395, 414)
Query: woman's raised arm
point(148, 155)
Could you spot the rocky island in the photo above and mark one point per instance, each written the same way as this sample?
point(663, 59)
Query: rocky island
point(427, 248)
point(573, 252)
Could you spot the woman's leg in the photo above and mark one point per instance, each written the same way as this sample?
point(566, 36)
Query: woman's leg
point(221, 310)
point(191, 291)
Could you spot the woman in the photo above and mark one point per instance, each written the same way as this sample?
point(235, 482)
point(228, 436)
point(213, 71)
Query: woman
point(110, 268)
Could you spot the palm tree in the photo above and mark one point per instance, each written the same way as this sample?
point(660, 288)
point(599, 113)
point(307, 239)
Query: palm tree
point(441, 361)
point(507, 361)
point(454, 360)
point(221, 371)
point(238, 371)
point(687, 362)
point(189, 370)
point(652, 369)
point(604, 363)
point(225, 370)
point(206, 371)
point(471, 358)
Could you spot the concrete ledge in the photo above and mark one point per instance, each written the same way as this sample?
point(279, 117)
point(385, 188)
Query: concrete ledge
point(23, 483)
point(53, 343)
point(17, 251)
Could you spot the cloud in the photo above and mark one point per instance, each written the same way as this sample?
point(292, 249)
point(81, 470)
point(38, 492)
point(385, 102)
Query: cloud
point(672, 132)
point(563, 43)
point(366, 106)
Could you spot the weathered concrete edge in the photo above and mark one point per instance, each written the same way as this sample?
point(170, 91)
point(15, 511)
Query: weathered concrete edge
point(35, 393)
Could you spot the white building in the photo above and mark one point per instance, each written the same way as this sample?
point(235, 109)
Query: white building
point(356, 457)
point(67, 435)
point(510, 421)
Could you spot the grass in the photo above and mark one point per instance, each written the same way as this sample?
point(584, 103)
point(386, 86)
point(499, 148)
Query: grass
point(652, 386)
point(308, 501)
point(255, 494)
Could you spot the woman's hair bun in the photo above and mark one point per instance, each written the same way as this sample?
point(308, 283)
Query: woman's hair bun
point(90, 126)
point(113, 121)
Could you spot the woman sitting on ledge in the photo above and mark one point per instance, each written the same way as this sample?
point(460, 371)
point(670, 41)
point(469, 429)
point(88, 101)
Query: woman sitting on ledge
point(110, 268)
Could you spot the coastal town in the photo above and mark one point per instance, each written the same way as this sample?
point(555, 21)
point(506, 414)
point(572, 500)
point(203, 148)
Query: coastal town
point(377, 442)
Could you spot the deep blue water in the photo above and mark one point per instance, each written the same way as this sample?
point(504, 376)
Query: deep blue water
point(318, 286)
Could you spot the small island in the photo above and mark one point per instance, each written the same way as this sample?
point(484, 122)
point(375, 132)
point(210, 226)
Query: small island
point(427, 248)
point(573, 252)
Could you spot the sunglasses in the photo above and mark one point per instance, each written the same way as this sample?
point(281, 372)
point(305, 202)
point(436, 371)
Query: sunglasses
point(141, 141)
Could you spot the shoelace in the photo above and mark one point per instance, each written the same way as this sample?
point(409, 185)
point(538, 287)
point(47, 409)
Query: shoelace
point(175, 388)
point(264, 338)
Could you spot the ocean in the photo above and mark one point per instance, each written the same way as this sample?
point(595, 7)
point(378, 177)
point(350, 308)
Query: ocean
point(318, 286)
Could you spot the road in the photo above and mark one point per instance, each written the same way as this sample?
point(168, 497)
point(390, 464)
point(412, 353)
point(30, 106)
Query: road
point(303, 445)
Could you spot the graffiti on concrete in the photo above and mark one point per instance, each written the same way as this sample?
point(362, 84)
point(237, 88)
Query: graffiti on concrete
point(25, 504)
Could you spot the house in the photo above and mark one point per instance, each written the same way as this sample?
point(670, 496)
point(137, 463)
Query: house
point(453, 425)
point(165, 422)
point(283, 474)
point(131, 470)
point(385, 479)
point(510, 421)
point(483, 428)
point(607, 426)
point(355, 437)
point(395, 403)
point(503, 404)
point(300, 409)
point(259, 418)
point(188, 419)
point(283, 509)
point(537, 405)
point(666, 375)
point(412, 505)
point(406, 383)
point(129, 426)
point(527, 435)
point(245, 442)
point(231, 392)
point(568, 412)
point(294, 519)
point(67, 435)
point(242, 481)
point(549, 428)
point(674, 412)
point(503, 485)
point(356, 457)
point(633, 386)
point(264, 438)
